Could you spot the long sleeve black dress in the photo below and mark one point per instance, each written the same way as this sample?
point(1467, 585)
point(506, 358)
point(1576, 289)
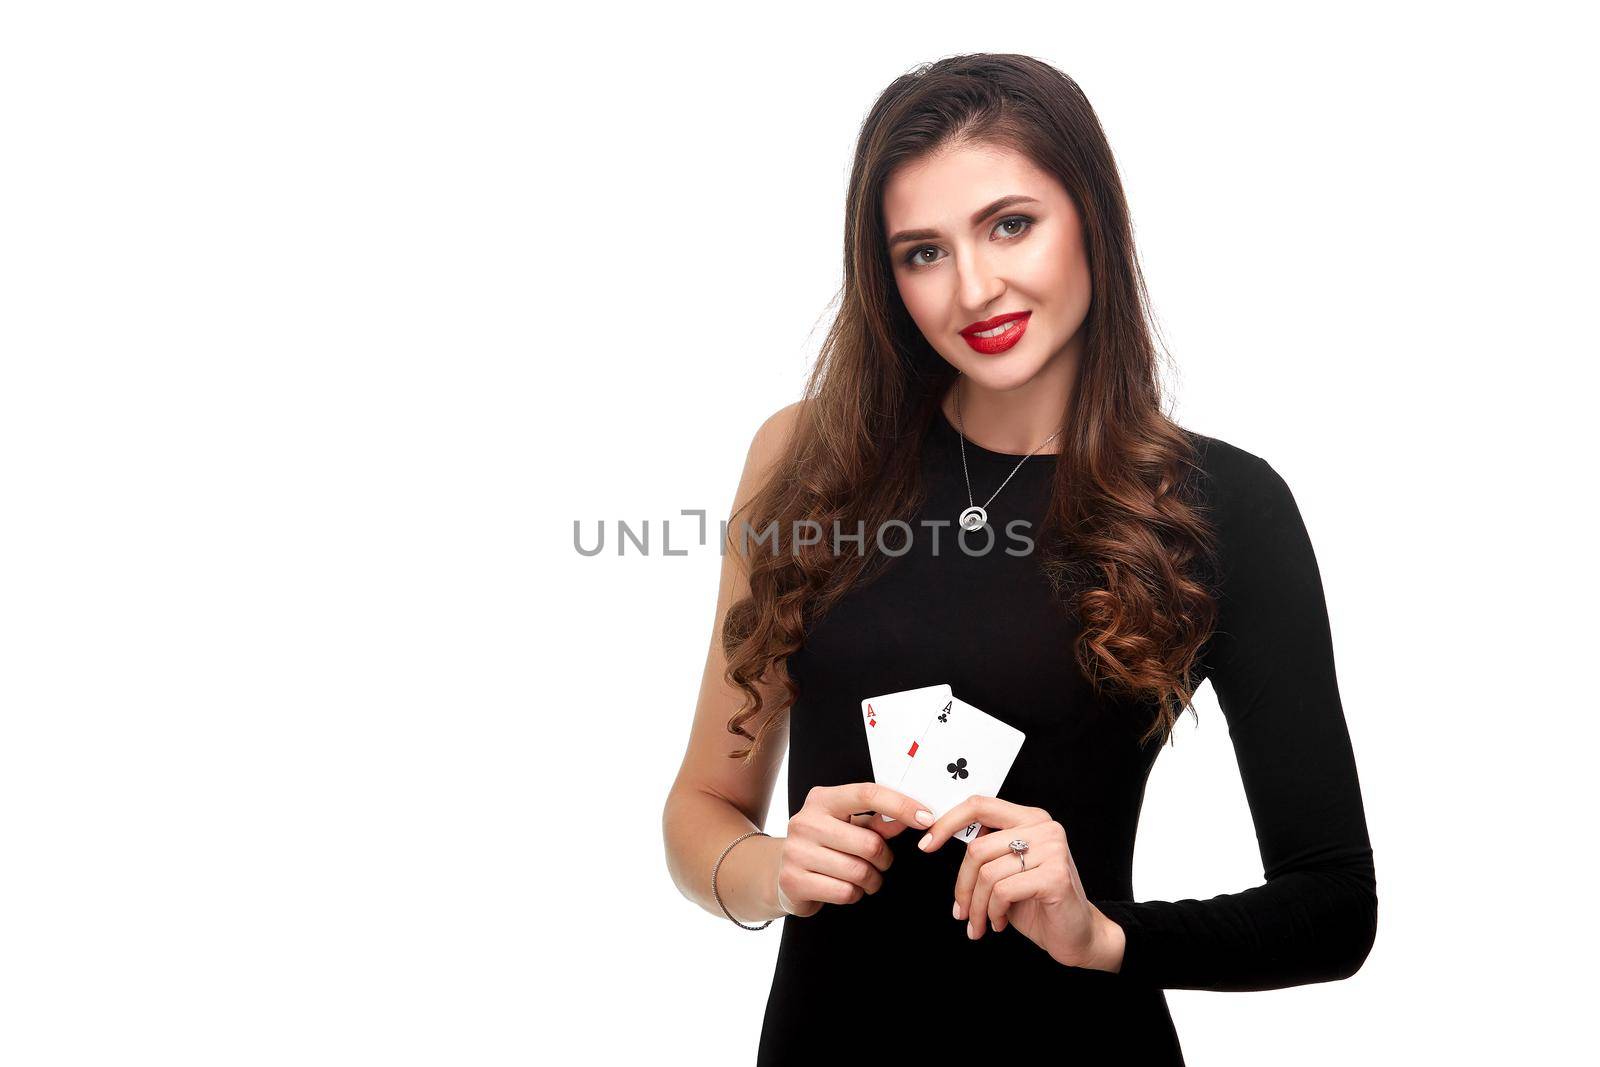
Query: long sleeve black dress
point(894, 975)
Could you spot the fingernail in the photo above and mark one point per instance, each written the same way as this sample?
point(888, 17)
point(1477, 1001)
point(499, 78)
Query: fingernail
point(955, 910)
point(972, 931)
point(925, 818)
point(927, 839)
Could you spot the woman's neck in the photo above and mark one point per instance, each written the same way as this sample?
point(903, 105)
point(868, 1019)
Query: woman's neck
point(1014, 421)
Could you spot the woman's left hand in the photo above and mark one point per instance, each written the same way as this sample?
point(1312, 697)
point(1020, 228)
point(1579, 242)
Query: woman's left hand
point(1045, 901)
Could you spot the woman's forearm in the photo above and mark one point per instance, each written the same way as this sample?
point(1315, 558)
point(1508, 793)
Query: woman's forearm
point(697, 827)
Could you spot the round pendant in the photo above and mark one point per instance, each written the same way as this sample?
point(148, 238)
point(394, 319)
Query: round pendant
point(973, 517)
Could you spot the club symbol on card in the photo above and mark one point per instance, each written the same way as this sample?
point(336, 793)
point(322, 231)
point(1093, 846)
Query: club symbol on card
point(944, 716)
point(958, 769)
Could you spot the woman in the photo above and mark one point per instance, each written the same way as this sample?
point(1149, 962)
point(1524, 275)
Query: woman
point(992, 351)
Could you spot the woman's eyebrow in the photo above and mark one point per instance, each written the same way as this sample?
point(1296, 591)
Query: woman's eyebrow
point(977, 217)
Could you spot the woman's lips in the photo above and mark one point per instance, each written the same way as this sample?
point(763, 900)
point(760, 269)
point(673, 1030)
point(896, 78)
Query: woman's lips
point(1010, 333)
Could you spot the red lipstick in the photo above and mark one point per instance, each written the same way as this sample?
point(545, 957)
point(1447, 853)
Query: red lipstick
point(1000, 342)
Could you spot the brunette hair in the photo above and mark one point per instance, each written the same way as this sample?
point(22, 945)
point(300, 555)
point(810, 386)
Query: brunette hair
point(1129, 551)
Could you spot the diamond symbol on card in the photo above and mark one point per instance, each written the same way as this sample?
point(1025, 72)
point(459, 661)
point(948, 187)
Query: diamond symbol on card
point(958, 769)
point(872, 716)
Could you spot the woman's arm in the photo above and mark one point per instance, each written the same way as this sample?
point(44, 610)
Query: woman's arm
point(1271, 665)
point(715, 798)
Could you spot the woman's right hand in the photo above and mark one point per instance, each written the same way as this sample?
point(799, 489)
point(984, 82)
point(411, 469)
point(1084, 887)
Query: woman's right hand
point(828, 858)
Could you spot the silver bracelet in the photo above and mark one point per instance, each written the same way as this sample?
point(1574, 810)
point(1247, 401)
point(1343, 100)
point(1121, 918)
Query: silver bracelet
point(718, 895)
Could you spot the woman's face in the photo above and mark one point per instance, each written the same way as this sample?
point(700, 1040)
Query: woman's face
point(980, 233)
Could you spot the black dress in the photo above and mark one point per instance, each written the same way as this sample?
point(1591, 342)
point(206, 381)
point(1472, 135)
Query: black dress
point(894, 975)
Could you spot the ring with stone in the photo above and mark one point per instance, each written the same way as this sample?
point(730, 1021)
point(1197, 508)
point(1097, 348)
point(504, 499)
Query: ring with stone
point(1018, 846)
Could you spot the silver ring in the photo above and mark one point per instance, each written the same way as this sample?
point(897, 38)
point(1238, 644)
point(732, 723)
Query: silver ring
point(1018, 846)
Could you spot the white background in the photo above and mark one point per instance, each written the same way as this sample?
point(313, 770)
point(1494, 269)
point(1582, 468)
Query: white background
point(321, 323)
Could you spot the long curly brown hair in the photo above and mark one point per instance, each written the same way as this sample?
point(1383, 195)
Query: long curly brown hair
point(1129, 550)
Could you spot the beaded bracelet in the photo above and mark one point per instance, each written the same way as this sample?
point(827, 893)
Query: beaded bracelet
point(718, 896)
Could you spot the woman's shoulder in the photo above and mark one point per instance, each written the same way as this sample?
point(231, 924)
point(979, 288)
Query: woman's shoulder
point(1261, 535)
point(1231, 475)
point(1249, 504)
point(771, 441)
point(767, 448)
point(1224, 459)
point(775, 431)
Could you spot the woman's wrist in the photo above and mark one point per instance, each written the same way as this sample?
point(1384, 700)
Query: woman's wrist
point(748, 879)
point(1108, 945)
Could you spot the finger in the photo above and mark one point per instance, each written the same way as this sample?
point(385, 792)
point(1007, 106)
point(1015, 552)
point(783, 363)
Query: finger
point(1013, 889)
point(852, 838)
point(809, 885)
point(890, 830)
point(871, 820)
point(841, 801)
point(985, 847)
point(845, 866)
point(990, 811)
point(991, 875)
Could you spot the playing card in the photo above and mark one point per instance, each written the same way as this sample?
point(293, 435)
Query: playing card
point(963, 752)
point(893, 722)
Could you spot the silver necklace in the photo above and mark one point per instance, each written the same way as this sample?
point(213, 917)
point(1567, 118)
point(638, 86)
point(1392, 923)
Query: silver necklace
point(976, 515)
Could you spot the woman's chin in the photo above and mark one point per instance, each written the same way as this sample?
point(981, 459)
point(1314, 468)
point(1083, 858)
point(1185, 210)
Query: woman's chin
point(1000, 373)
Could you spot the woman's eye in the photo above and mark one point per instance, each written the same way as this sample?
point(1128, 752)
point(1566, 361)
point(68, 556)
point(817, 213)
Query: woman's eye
point(915, 258)
point(1019, 219)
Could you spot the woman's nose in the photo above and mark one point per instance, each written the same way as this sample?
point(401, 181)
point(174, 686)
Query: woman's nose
point(979, 286)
